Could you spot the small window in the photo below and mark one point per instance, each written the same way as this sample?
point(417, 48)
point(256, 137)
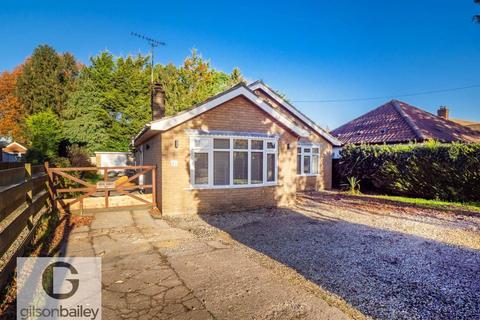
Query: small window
point(299, 150)
point(240, 144)
point(271, 145)
point(315, 163)
point(240, 167)
point(221, 143)
point(221, 168)
point(257, 144)
point(256, 167)
point(201, 168)
point(299, 164)
point(270, 167)
point(306, 150)
point(315, 150)
point(306, 164)
point(201, 143)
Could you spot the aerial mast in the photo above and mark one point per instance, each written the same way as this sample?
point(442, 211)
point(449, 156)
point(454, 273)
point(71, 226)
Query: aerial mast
point(153, 44)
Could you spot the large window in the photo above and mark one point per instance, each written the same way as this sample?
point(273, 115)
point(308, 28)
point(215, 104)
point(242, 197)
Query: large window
point(219, 162)
point(308, 160)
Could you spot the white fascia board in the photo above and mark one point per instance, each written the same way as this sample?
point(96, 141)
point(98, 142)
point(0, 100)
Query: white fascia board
point(301, 116)
point(16, 144)
point(167, 123)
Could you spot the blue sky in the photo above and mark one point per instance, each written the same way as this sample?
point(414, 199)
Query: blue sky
point(317, 50)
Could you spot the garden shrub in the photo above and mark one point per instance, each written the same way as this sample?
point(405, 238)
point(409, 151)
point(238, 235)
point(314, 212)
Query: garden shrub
point(429, 170)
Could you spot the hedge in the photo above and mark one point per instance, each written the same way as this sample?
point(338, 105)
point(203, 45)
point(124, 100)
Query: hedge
point(430, 170)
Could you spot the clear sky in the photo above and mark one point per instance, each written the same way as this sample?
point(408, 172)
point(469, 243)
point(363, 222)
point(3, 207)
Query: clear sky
point(318, 50)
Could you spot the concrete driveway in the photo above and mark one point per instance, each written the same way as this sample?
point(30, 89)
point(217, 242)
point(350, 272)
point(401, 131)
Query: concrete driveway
point(330, 257)
point(151, 270)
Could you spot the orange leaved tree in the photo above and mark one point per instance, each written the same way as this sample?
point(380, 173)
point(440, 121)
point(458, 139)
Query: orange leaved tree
point(12, 116)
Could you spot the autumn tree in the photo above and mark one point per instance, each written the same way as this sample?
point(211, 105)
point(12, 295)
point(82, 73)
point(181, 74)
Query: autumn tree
point(11, 109)
point(47, 80)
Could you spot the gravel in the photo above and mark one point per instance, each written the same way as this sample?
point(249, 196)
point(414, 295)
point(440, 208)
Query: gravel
point(387, 263)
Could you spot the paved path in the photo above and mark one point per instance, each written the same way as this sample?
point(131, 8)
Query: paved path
point(152, 270)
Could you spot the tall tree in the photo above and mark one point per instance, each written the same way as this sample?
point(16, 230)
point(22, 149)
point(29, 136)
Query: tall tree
point(11, 110)
point(193, 82)
point(110, 104)
point(47, 80)
point(112, 100)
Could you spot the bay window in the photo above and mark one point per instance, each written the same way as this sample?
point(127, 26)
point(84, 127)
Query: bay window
point(236, 161)
point(308, 160)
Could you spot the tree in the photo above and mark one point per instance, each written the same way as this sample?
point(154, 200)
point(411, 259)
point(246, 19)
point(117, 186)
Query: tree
point(193, 82)
point(476, 18)
point(45, 133)
point(11, 110)
point(47, 80)
point(111, 103)
point(112, 99)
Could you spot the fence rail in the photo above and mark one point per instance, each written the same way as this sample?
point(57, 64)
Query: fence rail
point(107, 187)
point(24, 198)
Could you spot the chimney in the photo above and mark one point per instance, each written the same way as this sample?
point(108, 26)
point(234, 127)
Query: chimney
point(158, 102)
point(443, 112)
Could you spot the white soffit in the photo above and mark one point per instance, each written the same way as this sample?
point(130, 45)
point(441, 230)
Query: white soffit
point(170, 122)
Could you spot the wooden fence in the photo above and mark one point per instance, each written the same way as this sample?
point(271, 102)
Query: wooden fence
point(24, 198)
point(109, 187)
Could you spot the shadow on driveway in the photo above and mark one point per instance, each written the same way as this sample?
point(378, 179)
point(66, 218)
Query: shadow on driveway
point(384, 274)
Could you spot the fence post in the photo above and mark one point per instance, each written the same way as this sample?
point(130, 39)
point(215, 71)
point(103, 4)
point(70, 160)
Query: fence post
point(49, 185)
point(29, 194)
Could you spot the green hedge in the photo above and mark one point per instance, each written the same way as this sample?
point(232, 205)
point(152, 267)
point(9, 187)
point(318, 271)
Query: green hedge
point(432, 170)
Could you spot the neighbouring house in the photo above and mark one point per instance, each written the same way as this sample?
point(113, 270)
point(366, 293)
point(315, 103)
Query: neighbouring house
point(398, 122)
point(13, 152)
point(244, 148)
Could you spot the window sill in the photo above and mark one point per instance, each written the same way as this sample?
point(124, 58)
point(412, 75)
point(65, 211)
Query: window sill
point(240, 186)
point(308, 175)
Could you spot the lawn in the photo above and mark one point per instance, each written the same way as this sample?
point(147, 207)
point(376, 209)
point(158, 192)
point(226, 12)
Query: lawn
point(426, 203)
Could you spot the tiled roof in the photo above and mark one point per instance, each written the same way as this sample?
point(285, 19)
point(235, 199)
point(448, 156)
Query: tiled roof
point(399, 122)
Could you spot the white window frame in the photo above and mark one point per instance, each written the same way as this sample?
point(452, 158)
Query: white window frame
point(302, 147)
point(210, 149)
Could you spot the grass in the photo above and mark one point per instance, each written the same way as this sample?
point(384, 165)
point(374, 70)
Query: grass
point(433, 204)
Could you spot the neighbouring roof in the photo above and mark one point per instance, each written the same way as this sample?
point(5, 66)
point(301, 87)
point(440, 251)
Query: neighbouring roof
point(167, 123)
point(15, 147)
point(399, 122)
point(471, 124)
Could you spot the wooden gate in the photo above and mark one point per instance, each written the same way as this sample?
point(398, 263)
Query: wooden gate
point(83, 188)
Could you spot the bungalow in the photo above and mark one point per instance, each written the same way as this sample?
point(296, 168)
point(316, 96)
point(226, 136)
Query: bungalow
point(398, 122)
point(244, 148)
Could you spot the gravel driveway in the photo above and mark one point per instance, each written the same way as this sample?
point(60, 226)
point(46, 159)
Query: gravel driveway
point(386, 261)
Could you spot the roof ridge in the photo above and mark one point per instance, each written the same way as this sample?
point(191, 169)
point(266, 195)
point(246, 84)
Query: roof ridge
point(295, 111)
point(416, 130)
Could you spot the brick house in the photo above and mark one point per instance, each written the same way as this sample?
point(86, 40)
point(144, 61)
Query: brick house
point(243, 148)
